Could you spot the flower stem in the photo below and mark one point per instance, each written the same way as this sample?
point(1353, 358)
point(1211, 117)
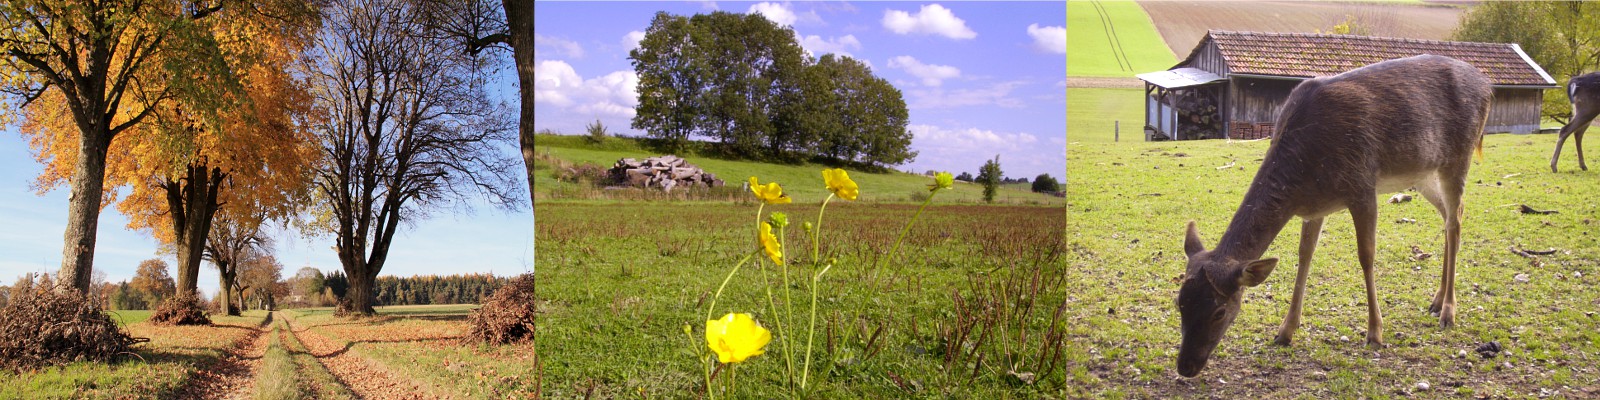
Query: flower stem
point(817, 231)
point(811, 333)
point(879, 264)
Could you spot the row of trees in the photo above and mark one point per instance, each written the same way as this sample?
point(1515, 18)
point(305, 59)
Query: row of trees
point(745, 82)
point(222, 117)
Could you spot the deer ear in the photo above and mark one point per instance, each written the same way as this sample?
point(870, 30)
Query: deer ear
point(1191, 241)
point(1257, 271)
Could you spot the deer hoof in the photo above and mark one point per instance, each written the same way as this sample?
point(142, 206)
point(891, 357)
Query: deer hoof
point(1282, 340)
point(1375, 342)
point(1447, 318)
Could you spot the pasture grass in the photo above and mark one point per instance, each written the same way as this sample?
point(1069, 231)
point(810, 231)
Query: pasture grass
point(1091, 51)
point(1128, 204)
point(623, 283)
point(160, 368)
point(1093, 113)
point(421, 343)
point(800, 181)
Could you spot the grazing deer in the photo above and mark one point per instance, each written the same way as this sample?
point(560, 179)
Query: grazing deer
point(1411, 122)
point(1584, 93)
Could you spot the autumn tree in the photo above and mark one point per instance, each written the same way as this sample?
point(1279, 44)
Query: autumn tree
point(234, 240)
point(1563, 37)
point(404, 126)
point(112, 64)
point(153, 282)
point(260, 278)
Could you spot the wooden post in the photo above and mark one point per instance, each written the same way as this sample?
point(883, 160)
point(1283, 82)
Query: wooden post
point(1116, 131)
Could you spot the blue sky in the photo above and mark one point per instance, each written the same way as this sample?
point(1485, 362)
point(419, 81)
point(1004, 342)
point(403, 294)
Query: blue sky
point(979, 78)
point(481, 239)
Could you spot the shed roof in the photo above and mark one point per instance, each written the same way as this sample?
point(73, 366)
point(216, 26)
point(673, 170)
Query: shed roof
point(1180, 77)
point(1311, 55)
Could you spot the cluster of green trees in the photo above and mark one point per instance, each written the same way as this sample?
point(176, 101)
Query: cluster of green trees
point(431, 289)
point(310, 287)
point(743, 81)
point(1563, 37)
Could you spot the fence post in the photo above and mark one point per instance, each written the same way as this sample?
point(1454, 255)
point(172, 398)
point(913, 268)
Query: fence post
point(1116, 131)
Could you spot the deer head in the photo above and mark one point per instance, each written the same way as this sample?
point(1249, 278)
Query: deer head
point(1209, 299)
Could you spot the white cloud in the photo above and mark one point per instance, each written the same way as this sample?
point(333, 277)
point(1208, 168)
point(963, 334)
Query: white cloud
point(709, 5)
point(779, 13)
point(561, 47)
point(998, 94)
point(965, 149)
point(836, 45)
point(932, 19)
point(556, 83)
point(1050, 38)
point(631, 40)
point(931, 74)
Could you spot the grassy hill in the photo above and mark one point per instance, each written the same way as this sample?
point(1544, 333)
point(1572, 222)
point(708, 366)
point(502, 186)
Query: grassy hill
point(803, 182)
point(1099, 29)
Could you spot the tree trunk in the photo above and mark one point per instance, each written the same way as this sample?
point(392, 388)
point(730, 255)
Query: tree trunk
point(225, 289)
point(360, 293)
point(192, 207)
point(519, 20)
point(83, 211)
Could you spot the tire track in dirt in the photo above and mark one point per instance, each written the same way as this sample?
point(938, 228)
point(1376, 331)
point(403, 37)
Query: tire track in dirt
point(365, 378)
point(233, 376)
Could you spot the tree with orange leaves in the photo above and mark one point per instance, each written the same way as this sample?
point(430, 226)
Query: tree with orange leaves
point(150, 94)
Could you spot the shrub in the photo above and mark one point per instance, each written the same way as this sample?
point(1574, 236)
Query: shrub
point(184, 309)
point(597, 133)
point(41, 328)
point(508, 316)
point(1046, 184)
point(584, 172)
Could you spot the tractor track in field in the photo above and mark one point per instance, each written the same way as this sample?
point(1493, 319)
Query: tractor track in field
point(233, 376)
point(363, 377)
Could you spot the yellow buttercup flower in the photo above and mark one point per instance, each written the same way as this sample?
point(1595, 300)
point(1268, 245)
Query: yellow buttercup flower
point(770, 245)
point(770, 193)
point(736, 337)
point(941, 180)
point(840, 184)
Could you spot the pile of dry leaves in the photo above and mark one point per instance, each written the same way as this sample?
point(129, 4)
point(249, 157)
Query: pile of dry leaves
point(508, 315)
point(183, 309)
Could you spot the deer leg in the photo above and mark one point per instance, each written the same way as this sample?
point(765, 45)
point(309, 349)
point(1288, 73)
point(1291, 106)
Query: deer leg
point(1365, 214)
point(1310, 230)
point(1577, 138)
point(1435, 196)
point(1575, 127)
point(1453, 184)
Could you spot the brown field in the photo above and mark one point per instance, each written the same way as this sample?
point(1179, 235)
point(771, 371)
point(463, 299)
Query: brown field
point(1183, 23)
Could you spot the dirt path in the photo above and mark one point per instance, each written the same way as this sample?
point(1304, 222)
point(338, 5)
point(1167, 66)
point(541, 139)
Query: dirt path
point(233, 376)
point(367, 379)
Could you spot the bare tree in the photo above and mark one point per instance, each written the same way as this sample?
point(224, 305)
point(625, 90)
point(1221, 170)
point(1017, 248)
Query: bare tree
point(232, 241)
point(405, 127)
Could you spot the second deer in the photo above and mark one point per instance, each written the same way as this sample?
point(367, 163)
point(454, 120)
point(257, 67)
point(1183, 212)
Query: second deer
point(1342, 140)
point(1584, 93)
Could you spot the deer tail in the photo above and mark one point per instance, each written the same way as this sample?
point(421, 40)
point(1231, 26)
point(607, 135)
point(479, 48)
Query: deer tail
point(1481, 133)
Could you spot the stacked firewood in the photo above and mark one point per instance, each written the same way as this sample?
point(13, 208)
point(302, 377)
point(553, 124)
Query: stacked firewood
point(664, 172)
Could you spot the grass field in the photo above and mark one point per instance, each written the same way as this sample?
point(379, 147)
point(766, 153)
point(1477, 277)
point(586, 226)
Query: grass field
point(1097, 30)
point(801, 182)
point(163, 366)
point(418, 351)
point(1092, 113)
point(1182, 24)
point(1128, 205)
point(623, 283)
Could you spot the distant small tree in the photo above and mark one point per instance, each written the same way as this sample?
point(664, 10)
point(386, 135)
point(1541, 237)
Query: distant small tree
point(597, 133)
point(990, 177)
point(153, 281)
point(1045, 183)
point(964, 177)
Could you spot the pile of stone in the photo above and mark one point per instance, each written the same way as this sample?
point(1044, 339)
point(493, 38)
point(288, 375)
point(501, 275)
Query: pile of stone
point(664, 172)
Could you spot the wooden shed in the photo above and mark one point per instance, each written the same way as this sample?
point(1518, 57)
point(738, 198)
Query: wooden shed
point(1233, 84)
